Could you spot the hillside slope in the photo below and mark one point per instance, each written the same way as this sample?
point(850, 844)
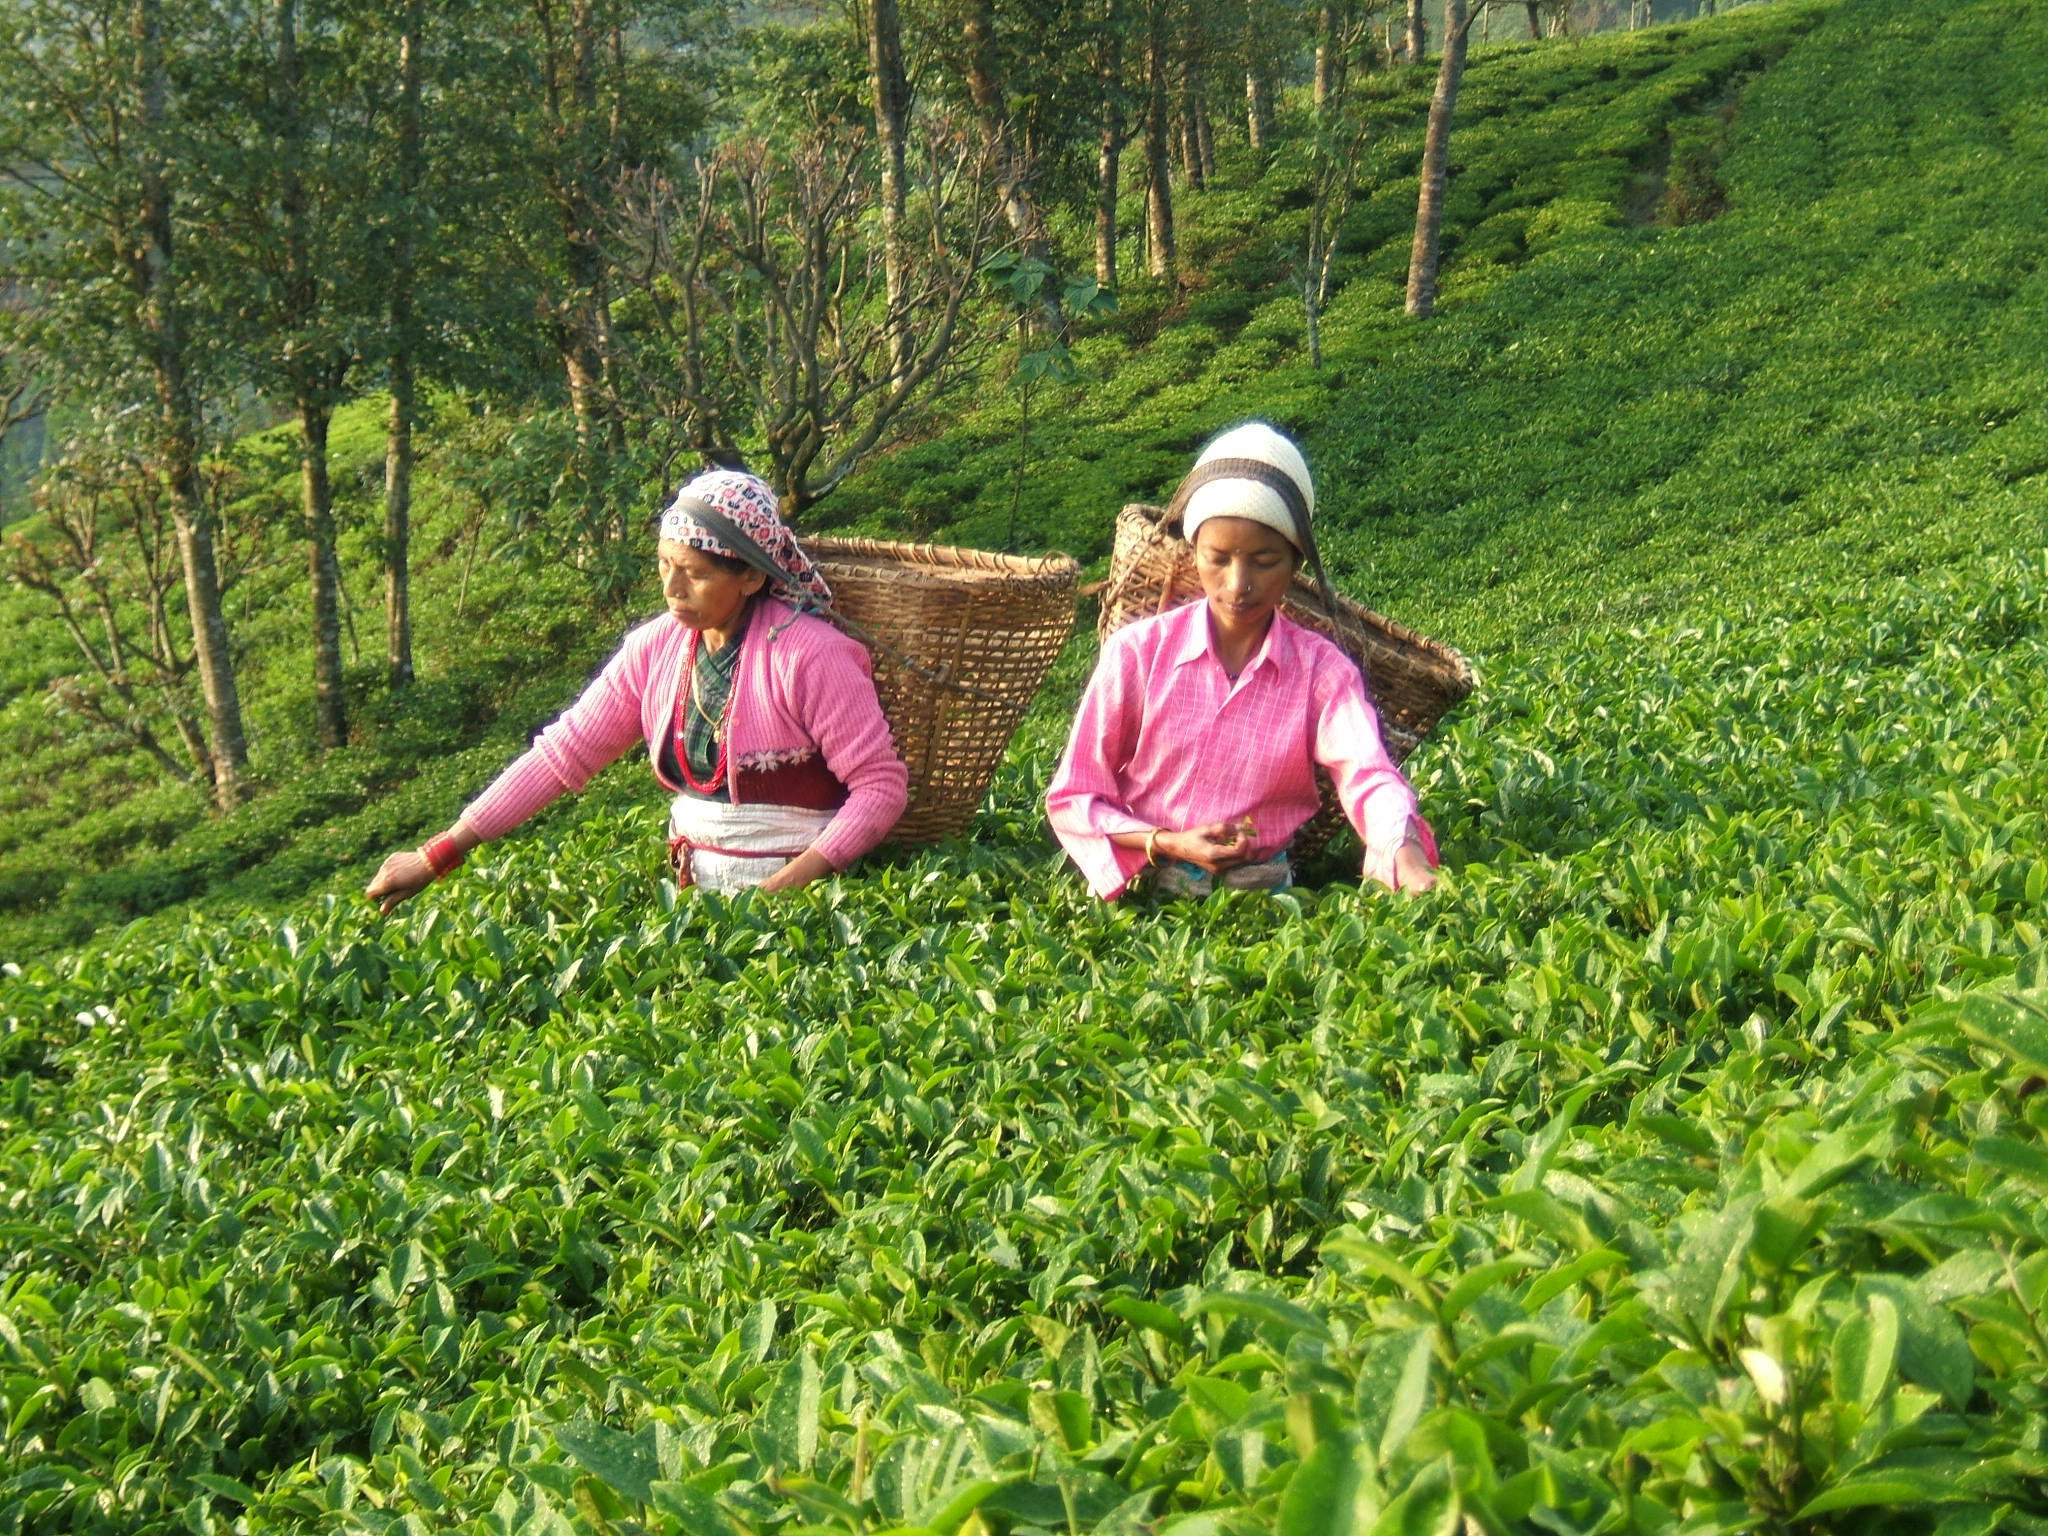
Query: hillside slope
point(1552, 139)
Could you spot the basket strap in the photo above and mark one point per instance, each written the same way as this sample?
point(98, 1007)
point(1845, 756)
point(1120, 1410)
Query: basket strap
point(1279, 482)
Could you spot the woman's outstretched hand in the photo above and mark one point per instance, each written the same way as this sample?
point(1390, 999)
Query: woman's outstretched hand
point(1412, 870)
point(407, 872)
point(404, 874)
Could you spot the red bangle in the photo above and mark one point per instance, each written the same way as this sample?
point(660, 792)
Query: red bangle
point(442, 855)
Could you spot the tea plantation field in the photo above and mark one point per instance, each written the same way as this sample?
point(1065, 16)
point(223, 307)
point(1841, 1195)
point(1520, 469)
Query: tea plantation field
point(1678, 1165)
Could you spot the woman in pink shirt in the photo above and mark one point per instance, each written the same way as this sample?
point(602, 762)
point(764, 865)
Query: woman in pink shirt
point(760, 717)
point(1194, 752)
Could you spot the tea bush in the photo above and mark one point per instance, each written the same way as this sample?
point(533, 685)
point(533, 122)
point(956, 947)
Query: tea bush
point(1658, 1170)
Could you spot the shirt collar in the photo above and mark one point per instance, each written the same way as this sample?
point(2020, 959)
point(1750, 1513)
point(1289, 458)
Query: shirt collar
point(1193, 639)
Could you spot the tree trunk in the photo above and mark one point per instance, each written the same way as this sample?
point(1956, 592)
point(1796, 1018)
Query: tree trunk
point(150, 264)
point(302, 301)
point(1436, 152)
point(398, 441)
point(576, 179)
point(1158, 155)
point(1110, 141)
point(1329, 52)
point(330, 709)
point(892, 112)
point(1020, 207)
point(1258, 91)
point(1534, 8)
point(1418, 33)
point(398, 526)
point(1194, 162)
point(586, 261)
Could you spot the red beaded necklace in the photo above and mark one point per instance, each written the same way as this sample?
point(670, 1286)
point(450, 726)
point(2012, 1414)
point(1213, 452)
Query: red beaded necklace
point(686, 688)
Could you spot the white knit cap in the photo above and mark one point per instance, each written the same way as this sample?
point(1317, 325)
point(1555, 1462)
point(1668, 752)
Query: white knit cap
point(1248, 498)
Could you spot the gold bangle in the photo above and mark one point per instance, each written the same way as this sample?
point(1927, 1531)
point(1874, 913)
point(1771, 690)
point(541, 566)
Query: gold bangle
point(1151, 845)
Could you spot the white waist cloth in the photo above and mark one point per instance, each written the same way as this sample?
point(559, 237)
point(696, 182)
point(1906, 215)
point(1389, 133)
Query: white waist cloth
point(730, 847)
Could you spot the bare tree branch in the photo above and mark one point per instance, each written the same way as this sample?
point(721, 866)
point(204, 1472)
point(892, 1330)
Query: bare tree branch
point(111, 572)
point(759, 319)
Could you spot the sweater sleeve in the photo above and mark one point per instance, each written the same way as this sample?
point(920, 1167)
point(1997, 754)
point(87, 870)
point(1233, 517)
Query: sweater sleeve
point(1377, 799)
point(589, 735)
point(1085, 801)
point(833, 691)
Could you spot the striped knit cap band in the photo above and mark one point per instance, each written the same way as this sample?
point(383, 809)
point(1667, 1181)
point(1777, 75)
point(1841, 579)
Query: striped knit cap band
point(1233, 497)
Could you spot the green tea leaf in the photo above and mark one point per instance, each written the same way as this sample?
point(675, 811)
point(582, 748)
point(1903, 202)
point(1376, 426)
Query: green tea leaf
point(2012, 1159)
point(1270, 1311)
point(785, 1431)
point(1866, 1354)
point(1428, 1507)
point(696, 1510)
point(1332, 1493)
point(1411, 1395)
point(624, 1463)
point(2013, 1022)
point(1548, 1286)
point(1903, 1486)
point(1933, 1351)
point(226, 1487)
point(1710, 1265)
point(1148, 1314)
point(1376, 1259)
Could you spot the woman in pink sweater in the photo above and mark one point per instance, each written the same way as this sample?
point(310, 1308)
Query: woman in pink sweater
point(759, 716)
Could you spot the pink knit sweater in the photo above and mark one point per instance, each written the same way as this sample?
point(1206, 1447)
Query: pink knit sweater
point(803, 689)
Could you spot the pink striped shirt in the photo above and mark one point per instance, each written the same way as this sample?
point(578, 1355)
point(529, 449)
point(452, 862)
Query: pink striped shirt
point(803, 689)
point(1165, 738)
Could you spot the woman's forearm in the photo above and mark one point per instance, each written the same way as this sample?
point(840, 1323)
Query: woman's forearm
point(802, 870)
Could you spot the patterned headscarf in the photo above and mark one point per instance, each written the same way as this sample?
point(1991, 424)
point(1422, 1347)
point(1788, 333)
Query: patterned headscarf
point(750, 506)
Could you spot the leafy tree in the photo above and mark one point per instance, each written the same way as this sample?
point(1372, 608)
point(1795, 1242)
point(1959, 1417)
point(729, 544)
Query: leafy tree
point(1262, 46)
point(1008, 155)
point(407, 183)
point(1022, 281)
point(24, 372)
point(1112, 112)
point(96, 124)
point(24, 384)
point(296, 254)
point(1333, 165)
point(591, 92)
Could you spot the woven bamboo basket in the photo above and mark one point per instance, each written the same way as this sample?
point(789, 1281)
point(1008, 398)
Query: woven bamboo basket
point(961, 640)
point(1412, 679)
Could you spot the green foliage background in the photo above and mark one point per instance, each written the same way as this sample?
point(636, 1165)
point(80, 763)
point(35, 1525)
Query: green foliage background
point(1675, 1166)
